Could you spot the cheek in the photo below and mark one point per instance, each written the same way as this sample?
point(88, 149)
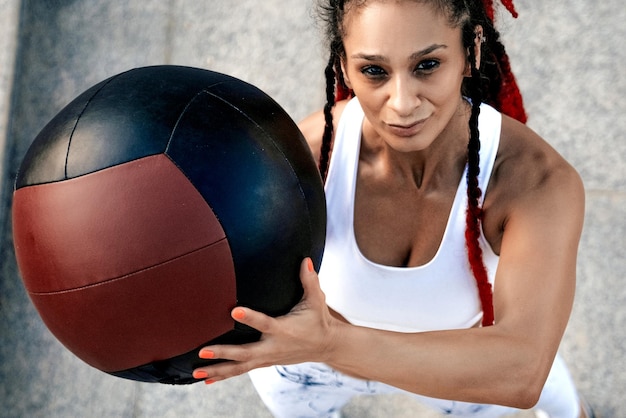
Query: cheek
point(445, 93)
point(372, 110)
point(372, 100)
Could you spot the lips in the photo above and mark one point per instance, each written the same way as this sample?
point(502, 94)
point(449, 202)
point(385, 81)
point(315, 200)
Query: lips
point(406, 129)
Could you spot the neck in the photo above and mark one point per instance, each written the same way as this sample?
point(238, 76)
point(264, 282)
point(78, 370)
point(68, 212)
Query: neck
point(440, 164)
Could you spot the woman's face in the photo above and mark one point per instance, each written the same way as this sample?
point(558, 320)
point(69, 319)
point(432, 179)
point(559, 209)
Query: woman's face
point(406, 65)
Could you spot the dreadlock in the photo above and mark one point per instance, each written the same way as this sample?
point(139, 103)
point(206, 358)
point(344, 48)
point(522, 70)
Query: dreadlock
point(474, 210)
point(328, 117)
point(336, 88)
point(492, 82)
point(501, 91)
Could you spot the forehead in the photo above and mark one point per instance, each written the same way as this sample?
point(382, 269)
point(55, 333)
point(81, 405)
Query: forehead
point(381, 24)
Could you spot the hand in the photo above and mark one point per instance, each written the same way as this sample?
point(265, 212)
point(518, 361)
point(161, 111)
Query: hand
point(306, 333)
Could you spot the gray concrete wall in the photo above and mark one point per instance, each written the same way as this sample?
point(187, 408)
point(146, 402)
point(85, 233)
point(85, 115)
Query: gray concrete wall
point(8, 46)
point(569, 60)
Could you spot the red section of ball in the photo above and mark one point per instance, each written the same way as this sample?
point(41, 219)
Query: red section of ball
point(127, 265)
point(145, 316)
point(108, 224)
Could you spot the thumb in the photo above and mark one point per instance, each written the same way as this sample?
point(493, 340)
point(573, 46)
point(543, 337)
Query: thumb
point(309, 278)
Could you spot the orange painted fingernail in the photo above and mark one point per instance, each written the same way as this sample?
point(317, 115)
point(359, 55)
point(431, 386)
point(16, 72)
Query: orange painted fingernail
point(206, 354)
point(200, 374)
point(239, 313)
point(209, 382)
point(309, 264)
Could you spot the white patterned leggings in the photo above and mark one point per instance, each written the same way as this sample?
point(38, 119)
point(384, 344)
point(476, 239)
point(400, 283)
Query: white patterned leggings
point(314, 390)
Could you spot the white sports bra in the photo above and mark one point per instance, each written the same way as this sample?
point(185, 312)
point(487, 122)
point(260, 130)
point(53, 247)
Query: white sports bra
point(440, 294)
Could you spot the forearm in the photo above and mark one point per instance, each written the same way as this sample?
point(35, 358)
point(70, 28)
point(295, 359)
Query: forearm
point(481, 365)
point(505, 364)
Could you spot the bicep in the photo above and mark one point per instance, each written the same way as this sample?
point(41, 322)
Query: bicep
point(536, 277)
point(312, 127)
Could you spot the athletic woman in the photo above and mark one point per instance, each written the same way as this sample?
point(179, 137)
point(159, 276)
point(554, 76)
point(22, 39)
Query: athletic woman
point(453, 229)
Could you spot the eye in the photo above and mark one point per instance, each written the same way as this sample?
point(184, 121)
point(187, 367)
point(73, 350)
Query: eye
point(373, 71)
point(427, 66)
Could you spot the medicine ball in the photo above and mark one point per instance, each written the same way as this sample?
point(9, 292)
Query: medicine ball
point(152, 205)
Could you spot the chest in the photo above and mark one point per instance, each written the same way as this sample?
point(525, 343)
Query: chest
point(399, 226)
point(423, 233)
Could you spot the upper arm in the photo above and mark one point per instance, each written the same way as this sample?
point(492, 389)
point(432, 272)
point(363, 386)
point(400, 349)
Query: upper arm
point(536, 277)
point(312, 127)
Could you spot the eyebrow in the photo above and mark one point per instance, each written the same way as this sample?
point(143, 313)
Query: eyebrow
point(416, 55)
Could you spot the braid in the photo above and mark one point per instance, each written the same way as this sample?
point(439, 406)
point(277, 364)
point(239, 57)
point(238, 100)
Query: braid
point(507, 97)
point(503, 92)
point(332, 13)
point(328, 116)
point(474, 210)
point(506, 3)
point(495, 84)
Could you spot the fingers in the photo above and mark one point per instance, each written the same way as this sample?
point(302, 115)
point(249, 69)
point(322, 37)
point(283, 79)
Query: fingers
point(240, 360)
point(221, 371)
point(284, 340)
point(264, 323)
point(234, 352)
point(254, 319)
point(238, 353)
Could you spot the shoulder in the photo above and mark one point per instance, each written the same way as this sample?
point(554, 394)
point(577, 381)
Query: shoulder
point(530, 180)
point(528, 162)
point(312, 127)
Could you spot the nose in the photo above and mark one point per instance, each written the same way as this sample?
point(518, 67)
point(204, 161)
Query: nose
point(404, 95)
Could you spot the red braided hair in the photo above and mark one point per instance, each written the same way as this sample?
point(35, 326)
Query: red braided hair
point(342, 91)
point(509, 100)
point(474, 213)
point(506, 3)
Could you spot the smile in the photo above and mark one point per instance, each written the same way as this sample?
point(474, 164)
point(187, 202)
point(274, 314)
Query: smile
point(406, 130)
